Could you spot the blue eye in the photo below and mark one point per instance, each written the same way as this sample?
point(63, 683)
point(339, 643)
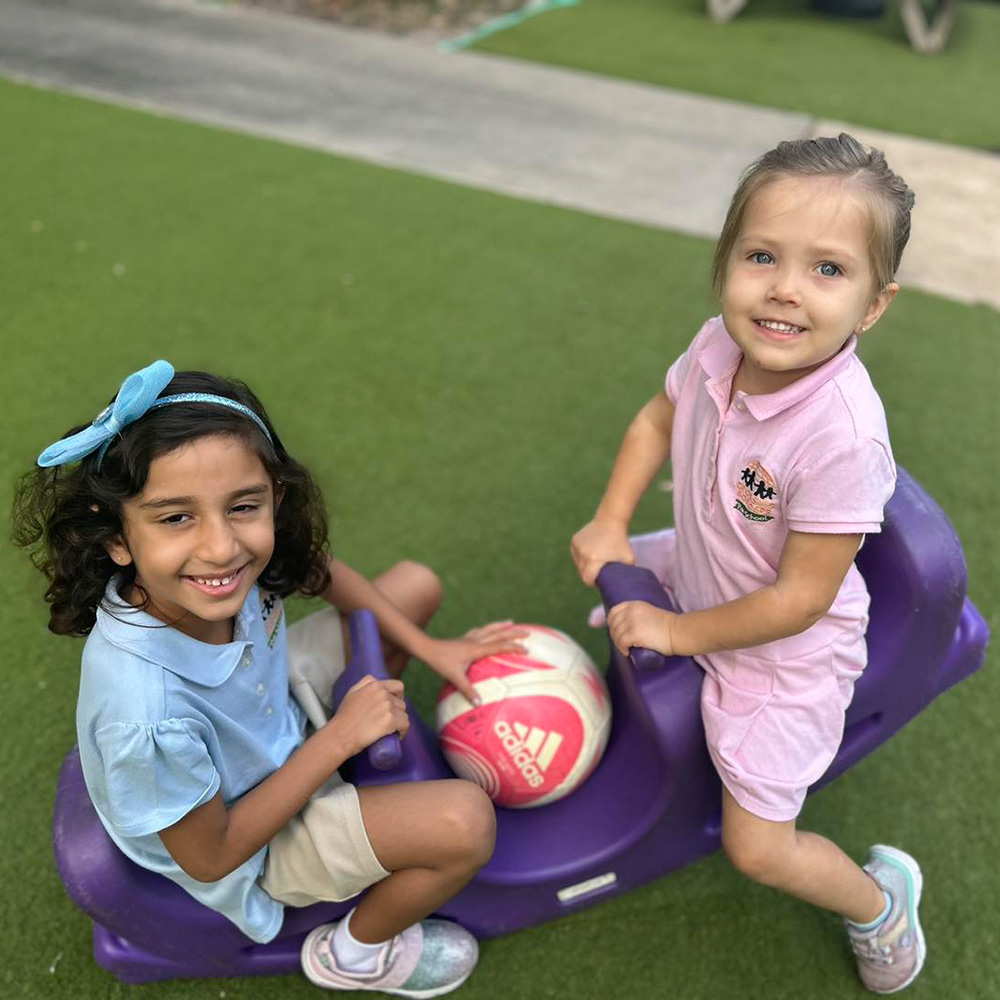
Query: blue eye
point(829, 270)
point(761, 257)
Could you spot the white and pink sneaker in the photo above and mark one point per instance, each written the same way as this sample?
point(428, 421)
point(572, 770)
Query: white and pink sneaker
point(428, 959)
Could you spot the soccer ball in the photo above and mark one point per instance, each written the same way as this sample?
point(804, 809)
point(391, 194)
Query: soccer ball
point(541, 728)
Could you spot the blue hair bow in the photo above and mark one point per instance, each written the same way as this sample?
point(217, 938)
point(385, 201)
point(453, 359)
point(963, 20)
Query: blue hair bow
point(135, 397)
point(139, 394)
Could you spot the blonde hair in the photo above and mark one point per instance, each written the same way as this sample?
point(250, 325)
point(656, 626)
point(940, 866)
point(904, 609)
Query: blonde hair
point(889, 199)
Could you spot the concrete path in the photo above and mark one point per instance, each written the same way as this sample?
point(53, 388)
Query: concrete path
point(629, 151)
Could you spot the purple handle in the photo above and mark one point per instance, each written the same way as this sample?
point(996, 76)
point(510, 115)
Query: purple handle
point(366, 658)
point(618, 583)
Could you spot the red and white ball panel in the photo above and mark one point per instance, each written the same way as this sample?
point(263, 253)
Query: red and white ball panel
point(541, 728)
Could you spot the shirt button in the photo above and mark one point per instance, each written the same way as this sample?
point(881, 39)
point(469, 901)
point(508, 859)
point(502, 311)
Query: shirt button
point(260, 689)
point(741, 406)
point(270, 711)
point(247, 660)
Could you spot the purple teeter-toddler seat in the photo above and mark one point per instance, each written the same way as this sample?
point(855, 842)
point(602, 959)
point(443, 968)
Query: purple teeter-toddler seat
point(651, 806)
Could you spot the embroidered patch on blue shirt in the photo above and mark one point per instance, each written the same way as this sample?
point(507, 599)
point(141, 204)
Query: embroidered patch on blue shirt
point(271, 610)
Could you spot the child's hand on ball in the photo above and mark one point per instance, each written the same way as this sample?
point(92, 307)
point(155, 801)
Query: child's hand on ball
point(638, 624)
point(451, 657)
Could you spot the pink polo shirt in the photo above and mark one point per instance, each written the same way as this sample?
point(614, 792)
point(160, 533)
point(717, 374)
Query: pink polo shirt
point(812, 457)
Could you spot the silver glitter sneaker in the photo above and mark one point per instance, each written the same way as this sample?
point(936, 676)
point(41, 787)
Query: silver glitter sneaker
point(891, 956)
point(426, 960)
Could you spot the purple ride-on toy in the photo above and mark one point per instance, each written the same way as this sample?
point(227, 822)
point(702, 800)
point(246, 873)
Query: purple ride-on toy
point(651, 806)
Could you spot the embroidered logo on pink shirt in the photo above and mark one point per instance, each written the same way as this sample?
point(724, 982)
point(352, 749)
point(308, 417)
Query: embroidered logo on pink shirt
point(755, 493)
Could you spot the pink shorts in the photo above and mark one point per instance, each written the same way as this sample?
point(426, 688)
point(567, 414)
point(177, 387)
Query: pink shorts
point(772, 726)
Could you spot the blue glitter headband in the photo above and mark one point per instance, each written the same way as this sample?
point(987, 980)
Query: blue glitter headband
point(137, 396)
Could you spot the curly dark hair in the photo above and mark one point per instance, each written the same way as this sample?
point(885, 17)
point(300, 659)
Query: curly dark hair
point(66, 515)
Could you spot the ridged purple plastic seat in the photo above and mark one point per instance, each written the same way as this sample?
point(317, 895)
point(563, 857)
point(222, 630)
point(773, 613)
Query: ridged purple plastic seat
point(651, 806)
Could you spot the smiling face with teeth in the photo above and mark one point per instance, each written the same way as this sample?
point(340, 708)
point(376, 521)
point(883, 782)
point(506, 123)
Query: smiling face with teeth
point(798, 281)
point(200, 533)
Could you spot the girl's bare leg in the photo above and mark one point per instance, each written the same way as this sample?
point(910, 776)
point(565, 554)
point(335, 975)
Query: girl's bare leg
point(433, 836)
point(416, 591)
point(802, 864)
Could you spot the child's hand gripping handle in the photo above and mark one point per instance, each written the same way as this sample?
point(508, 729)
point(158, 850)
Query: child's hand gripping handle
point(366, 658)
point(618, 583)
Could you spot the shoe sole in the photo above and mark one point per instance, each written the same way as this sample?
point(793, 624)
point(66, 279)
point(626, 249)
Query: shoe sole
point(314, 978)
point(915, 876)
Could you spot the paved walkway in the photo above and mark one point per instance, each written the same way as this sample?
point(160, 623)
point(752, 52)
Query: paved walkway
point(624, 150)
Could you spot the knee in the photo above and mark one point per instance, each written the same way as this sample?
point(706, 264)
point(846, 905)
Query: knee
point(758, 859)
point(424, 582)
point(471, 824)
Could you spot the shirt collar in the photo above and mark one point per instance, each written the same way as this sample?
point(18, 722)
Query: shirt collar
point(140, 633)
point(720, 357)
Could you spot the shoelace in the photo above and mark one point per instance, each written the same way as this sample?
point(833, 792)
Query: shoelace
point(869, 949)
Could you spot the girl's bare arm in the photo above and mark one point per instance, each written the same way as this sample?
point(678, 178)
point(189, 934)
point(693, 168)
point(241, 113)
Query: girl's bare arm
point(350, 590)
point(810, 572)
point(212, 841)
point(643, 452)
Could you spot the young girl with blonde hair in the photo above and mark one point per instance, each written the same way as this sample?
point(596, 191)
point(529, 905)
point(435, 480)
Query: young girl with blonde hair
point(781, 466)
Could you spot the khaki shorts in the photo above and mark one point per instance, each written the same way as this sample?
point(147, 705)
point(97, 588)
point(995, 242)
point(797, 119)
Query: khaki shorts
point(324, 852)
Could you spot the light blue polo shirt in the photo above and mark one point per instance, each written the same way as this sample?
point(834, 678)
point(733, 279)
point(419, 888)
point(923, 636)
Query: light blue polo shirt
point(165, 721)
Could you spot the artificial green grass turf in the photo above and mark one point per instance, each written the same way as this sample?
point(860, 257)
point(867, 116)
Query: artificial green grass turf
point(782, 54)
point(457, 368)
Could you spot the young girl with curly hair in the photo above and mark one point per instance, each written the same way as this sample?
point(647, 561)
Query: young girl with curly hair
point(170, 529)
